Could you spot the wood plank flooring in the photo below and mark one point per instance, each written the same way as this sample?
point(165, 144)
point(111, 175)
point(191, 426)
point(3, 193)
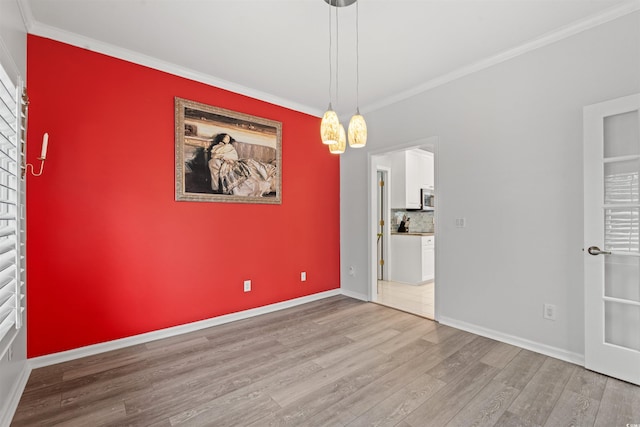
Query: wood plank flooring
point(335, 362)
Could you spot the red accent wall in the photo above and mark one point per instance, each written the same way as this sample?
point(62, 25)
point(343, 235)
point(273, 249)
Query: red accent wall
point(111, 254)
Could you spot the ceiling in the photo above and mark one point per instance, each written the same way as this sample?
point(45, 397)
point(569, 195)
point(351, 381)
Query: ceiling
point(278, 50)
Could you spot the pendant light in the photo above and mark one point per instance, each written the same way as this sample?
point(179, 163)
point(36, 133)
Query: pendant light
point(331, 131)
point(330, 125)
point(357, 125)
point(341, 145)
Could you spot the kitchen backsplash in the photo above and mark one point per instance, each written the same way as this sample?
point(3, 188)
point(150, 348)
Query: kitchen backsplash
point(419, 221)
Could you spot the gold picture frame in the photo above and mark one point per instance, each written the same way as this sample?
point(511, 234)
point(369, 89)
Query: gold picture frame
point(226, 156)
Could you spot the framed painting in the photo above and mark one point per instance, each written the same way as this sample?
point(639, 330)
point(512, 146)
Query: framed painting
point(226, 156)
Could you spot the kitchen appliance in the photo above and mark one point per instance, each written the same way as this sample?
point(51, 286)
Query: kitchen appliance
point(426, 199)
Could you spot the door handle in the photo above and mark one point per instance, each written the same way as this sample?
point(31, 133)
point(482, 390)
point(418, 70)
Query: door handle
point(594, 250)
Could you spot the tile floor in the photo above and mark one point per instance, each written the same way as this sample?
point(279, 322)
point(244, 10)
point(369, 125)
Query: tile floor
point(415, 299)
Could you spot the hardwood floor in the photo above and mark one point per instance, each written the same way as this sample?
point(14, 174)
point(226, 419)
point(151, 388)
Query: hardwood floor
point(335, 362)
point(416, 299)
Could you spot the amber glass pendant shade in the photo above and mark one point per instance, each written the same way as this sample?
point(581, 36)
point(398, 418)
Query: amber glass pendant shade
point(357, 131)
point(341, 145)
point(330, 127)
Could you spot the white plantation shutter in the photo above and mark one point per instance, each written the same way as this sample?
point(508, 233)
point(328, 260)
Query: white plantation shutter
point(622, 225)
point(12, 134)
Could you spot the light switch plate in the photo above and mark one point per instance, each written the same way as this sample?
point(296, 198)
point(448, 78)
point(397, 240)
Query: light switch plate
point(549, 312)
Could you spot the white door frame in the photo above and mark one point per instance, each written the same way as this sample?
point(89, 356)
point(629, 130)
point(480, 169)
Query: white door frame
point(432, 144)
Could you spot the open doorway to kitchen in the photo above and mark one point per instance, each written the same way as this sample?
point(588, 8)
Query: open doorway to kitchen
point(403, 226)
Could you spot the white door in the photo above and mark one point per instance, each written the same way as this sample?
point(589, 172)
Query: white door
point(612, 237)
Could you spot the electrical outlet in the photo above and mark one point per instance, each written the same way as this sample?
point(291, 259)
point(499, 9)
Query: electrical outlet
point(352, 271)
point(247, 285)
point(549, 311)
point(461, 222)
point(303, 276)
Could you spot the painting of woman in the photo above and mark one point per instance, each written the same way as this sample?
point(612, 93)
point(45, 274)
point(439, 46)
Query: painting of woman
point(234, 176)
point(214, 166)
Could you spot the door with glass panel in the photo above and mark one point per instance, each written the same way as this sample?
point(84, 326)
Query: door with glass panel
point(612, 237)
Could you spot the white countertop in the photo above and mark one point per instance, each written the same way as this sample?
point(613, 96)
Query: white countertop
point(395, 233)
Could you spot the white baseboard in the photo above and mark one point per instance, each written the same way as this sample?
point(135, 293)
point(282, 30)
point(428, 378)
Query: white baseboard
point(65, 356)
point(547, 350)
point(91, 350)
point(6, 413)
point(355, 295)
point(8, 410)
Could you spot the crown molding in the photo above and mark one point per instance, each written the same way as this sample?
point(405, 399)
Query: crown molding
point(544, 40)
point(42, 30)
point(39, 29)
point(27, 15)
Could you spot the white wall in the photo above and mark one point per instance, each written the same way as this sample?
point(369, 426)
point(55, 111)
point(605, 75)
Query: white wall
point(510, 162)
point(13, 54)
point(13, 39)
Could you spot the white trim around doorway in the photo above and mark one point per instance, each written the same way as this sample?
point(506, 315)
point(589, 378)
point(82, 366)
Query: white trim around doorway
point(372, 273)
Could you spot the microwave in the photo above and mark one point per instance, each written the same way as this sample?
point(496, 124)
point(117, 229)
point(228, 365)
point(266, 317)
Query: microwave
point(426, 199)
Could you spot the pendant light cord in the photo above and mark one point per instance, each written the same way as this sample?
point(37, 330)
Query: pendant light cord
point(330, 67)
point(337, 56)
point(357, 63)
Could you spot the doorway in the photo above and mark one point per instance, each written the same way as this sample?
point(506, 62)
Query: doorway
point(415, 295)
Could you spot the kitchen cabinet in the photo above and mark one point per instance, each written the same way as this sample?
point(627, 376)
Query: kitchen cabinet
point(411, 258)
point(428, 258)
point(411, 170)
point(428, 174)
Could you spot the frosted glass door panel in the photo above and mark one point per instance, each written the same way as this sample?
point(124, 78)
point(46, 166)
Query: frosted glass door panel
point(621, 182)
point(618, 317)
point(621, 135)
point(621, 278)
point(621, 229)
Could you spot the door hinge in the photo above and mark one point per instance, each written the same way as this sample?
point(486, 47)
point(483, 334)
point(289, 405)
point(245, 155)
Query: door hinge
point(381, 222)
point(381, 262)
point(381, 183)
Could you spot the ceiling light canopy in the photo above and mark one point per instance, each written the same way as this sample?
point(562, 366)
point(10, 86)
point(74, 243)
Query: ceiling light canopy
point(340, 3)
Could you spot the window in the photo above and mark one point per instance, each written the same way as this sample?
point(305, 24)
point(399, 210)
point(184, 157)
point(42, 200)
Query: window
point(12, 201)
